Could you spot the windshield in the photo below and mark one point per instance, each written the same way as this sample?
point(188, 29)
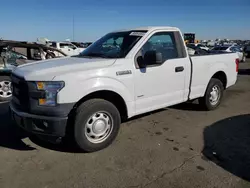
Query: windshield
point(113, 45)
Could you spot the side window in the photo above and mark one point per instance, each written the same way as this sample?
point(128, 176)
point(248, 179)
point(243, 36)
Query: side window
point(64, 45)
point(237, 49)
point(162, 42)
point(71, 46)
point(53, 44)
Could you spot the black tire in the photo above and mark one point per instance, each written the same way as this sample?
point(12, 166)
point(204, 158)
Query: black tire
point(2, 79)
point(205, 101)
point(85, 112)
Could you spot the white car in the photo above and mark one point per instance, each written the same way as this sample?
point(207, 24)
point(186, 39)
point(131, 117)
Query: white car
point(121, 75)
point(232, 48)
point(66, 47)
point(201, 46)
point(190, 51)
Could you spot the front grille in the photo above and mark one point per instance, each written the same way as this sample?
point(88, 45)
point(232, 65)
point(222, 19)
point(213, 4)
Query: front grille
point(20, 93)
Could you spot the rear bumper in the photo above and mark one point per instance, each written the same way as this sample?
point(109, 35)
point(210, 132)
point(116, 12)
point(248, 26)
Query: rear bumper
point(38, 124)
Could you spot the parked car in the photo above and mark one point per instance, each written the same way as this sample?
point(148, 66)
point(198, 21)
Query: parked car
point(233, 48)
point(82, 45)
point(196, 50)
point(87, 44)
point(201, 46)
point(14, 53)
point(190, 51)
point(67, 47)
point(139, 71)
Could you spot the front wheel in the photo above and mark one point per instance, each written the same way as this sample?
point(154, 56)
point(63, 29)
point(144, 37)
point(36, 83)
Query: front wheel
point(97, 124)
point(5, 88)
point(213, 95)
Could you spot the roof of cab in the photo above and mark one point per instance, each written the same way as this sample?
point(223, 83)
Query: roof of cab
point(150, 28)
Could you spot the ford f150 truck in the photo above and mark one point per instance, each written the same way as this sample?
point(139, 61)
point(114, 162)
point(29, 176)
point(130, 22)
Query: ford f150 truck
point(121, 75)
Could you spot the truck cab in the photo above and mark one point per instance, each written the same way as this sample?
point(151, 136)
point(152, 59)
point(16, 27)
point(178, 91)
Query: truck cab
point(123, 74)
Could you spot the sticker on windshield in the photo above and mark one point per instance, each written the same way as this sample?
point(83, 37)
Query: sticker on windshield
point(138, 34)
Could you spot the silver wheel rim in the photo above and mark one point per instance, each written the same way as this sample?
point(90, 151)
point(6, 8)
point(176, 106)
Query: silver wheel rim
point(215, 95)
point(98, 127)
point(5, 89)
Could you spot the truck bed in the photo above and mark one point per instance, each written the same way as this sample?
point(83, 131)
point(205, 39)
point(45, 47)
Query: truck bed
point(203, 68)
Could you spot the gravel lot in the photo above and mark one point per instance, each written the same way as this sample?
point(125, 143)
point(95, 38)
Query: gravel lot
point(180, 146)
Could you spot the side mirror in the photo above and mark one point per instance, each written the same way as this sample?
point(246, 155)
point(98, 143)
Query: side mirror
point(153, 57)
point(141, 63)
point(74, 48)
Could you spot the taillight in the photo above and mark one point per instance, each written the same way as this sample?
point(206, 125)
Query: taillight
point(237, 62)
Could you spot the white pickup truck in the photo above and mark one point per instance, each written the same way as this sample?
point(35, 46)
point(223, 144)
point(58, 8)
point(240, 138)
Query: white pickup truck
point(123, 74)
point(66, 47)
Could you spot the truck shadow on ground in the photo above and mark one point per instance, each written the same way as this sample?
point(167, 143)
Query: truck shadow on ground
point(10, 135)
point(227, 142)
point(189, 106)
point(244, 72)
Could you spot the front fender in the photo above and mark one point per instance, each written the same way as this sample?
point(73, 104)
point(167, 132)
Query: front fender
point(74, 91)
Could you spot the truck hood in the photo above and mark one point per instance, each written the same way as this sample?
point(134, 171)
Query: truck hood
point(46, 70)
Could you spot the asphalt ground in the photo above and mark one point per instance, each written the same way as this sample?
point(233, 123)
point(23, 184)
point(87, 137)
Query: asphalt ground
point(180, 146)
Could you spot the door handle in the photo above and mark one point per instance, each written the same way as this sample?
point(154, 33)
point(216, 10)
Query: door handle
point(179, 69)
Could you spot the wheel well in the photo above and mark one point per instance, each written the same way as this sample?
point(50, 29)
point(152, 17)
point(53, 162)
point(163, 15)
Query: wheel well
point(5, 74)
point(222, 77)
point(110, 96)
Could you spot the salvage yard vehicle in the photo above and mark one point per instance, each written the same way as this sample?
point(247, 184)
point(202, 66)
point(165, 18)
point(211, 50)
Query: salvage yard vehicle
point(82, 45)
point(5, 81)
point(232, 48)
point(14, 53)
point(67, 47)
point(140, 70)
point(198, 45)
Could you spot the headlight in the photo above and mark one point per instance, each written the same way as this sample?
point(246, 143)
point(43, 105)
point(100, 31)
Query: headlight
point(51, 89)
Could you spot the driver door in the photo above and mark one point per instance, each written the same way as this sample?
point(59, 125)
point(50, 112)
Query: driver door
point(160, 85)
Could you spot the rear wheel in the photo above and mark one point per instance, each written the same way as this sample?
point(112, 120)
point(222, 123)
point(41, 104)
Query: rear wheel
point(213, 95)
point(5, 88)
point(97, 124)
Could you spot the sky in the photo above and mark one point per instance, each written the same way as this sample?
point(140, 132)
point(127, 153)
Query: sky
point(53, 19)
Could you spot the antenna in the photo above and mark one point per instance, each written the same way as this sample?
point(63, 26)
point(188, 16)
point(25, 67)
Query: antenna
point(73, 28)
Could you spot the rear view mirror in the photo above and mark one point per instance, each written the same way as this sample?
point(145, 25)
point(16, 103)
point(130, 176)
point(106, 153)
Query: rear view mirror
point(141, 63)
